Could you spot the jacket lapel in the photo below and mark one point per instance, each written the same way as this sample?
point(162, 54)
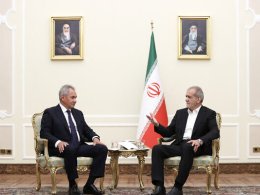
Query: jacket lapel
point(75, 117)
point(62, 118)
point(184, 122)
point(77, 120)
point(198, 120)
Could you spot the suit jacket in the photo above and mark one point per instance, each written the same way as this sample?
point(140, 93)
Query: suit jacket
point(205, 127)
point(54, 126)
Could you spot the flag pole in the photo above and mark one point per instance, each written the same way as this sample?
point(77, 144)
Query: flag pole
point(153, 99)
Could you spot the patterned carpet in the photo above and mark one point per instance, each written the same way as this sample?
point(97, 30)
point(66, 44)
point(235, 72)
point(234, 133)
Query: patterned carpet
point(249, 190)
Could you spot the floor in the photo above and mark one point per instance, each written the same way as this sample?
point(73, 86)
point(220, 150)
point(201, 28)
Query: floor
point(131, 180)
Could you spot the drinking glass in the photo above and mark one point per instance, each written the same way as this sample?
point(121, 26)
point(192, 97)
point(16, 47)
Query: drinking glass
point(114, 145)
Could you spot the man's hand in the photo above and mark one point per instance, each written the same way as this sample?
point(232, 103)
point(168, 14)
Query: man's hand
point(62, 146)
point(199, 49)
point(68, 50)
point(152, 120)
point(187, 48)
point(72, 45)
point(195, 144)
point(97, 141)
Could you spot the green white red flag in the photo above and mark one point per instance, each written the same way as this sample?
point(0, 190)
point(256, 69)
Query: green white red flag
point(153, 101)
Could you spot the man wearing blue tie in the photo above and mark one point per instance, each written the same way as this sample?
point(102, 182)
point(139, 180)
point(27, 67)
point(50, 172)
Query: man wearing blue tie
point(67, 131)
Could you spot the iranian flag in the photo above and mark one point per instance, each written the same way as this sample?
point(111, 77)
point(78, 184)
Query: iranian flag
point(153, 101)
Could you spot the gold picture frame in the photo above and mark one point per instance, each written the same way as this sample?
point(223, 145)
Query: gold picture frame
point(194, 37)
point(67, 38)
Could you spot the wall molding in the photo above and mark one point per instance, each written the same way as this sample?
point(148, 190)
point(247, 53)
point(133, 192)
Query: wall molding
point(237, 113)
point(256, 19)
point(26, 157)
point(248, 141)
point(23, 60)
point(236, 156)
point(256, 114)
point(4, 20)
point(10, 157)
point(4, 114)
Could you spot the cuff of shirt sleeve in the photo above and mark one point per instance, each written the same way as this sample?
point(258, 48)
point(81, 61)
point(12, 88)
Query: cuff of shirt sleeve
point(200, 141)
point(56, 144)
point(95, 137)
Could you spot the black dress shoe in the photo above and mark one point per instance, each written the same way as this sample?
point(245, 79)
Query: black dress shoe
point(159, 190)
point(91, 189)
point(74, 190)
point(175, 191)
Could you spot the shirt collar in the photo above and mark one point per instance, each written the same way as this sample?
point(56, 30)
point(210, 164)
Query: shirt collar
point(63, 108)
point(196, 111)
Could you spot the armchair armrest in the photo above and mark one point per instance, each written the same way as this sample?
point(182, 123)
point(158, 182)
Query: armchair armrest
point(215, 149)
point(167, 139)
point(44, 142)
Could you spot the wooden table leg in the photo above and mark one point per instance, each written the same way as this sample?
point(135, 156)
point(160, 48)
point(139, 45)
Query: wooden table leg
point(140, 170)
point(115, 170)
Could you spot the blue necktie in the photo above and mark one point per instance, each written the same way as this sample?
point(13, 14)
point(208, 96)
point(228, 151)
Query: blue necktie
point(74, 137)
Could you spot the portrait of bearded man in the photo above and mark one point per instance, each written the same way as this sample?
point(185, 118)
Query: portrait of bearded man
point(66, 42)
point(193, 42)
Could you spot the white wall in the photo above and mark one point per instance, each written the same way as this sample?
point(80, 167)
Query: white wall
point(110, 79)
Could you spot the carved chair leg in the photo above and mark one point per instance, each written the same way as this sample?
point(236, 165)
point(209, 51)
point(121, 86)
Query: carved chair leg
point(101, 180)
point(38, 177)
point(216, 177)
point(209, 172)
point(53, 171)
point(176, 171)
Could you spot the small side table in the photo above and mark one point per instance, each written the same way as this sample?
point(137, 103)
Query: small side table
point(115, 153)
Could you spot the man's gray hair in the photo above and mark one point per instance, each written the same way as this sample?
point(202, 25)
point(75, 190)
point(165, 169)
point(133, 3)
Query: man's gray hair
point(64, 90)
point(199, 93)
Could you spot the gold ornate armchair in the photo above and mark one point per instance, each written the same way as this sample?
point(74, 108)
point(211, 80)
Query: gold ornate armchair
point(52, 163)
point(206, 162)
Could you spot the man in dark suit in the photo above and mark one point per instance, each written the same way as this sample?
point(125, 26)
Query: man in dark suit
point(195, 128)
point(66, 131)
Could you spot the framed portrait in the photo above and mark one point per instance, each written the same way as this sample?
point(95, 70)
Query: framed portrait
point(194, 37)
point(67, 38)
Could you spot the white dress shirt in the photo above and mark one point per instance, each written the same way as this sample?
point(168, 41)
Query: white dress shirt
point(64, 110)
point(190, 123)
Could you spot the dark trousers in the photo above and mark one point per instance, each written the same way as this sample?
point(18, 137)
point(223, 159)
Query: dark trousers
point(70, 154)
point(161, 152)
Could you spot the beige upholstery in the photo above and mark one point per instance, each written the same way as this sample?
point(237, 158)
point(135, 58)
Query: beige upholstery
point(52, 163)
point(209, 163)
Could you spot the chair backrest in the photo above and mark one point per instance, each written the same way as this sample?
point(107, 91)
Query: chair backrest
point(215, 143)
point(36, 123)
point(219, 120)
